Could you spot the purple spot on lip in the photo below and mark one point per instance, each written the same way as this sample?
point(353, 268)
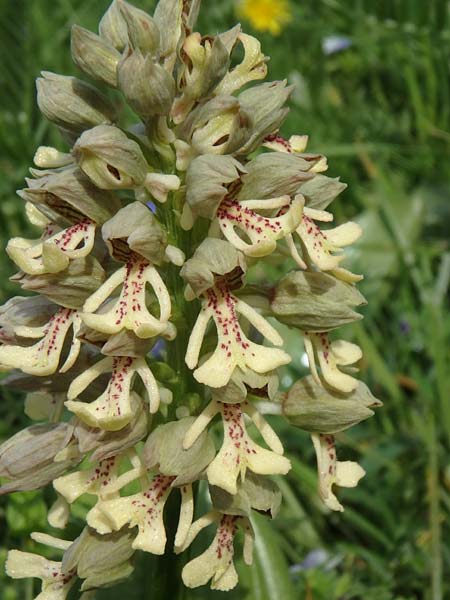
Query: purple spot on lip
point(151, 205)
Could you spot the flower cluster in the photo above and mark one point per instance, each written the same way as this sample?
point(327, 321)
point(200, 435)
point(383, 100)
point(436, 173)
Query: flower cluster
point(142, 329)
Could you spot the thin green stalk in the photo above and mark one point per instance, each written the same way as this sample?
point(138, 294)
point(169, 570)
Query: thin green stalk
point(434, 514)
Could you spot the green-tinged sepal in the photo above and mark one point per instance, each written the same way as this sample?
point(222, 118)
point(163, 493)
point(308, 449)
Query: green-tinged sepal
point(314, 408)
point(101, 560)
point(320, 191)
point(213, 261)
point(147, 86)
point(71, 103)
point(93, 55)
point(265, 104)
point(164, 451)
point(253, 493)
point(274, 174)
point(27, 459)
point(135, 229)
point(106, 444)
point(69, 194)
point(245, 383)
point(220, 126)
point(314, 301)
point(19, 313)
point(127, 343)
point(207, 179)
point(69, 288)
point(110, 158)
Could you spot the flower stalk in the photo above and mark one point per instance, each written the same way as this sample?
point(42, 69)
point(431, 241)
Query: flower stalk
point(143, 334)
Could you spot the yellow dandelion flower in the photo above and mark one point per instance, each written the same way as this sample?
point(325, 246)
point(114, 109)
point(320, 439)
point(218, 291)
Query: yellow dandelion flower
point(265, 15)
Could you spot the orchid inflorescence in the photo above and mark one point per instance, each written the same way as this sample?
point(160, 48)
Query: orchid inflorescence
point(143, 330)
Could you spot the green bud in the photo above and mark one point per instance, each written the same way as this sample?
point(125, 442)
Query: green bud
point(101, 560)
point(27, 459)
point(164, 451)
point(148, 87)
point(71, 195)
point(69, 288)
point(168, 18)
point(315, 301)
point(143, 34)
point(72, 103)
point(274, 174)
point(254, 492)
point(319, 410)
point(94, 56)
point(135, 229)
point(320, 191)
point(113, 27)
point(213, 259)
point(110, 159)
point(206, 181)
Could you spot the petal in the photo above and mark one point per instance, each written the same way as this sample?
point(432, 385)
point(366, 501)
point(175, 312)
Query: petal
point(217, 369)
point(268, 434)
point(201, 423)
point(185, 520)
point(196, 338)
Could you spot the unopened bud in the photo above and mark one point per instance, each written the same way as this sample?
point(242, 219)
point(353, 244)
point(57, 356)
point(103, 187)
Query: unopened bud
point(113, 27)
point(143, 34)
point(146, 85)
point(72, 103)
point(27, 459)
point(94, 56)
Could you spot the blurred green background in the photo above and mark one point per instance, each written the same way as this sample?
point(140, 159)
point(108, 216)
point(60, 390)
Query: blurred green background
point(373, 94)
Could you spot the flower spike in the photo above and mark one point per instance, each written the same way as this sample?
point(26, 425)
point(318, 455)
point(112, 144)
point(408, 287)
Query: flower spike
point(174, 253)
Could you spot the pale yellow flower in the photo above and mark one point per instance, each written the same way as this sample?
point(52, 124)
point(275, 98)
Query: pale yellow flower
point(265, 15)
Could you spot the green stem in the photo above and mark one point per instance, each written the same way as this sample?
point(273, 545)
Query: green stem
point(434, 515)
